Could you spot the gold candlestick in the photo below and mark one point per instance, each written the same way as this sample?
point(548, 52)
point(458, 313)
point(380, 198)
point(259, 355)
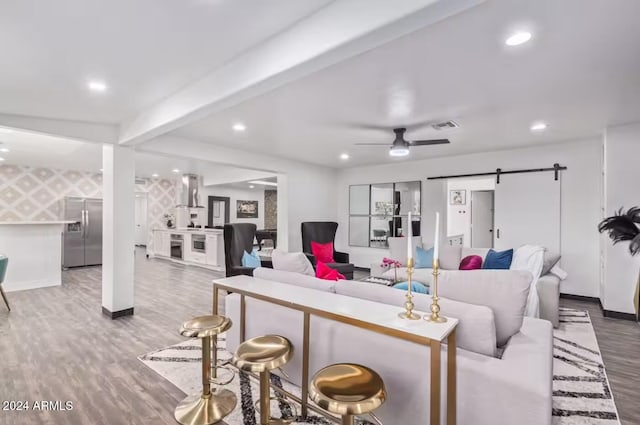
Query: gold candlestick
point(408, 305)
point(435, 317)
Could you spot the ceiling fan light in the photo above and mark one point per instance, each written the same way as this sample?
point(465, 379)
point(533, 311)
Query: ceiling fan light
point(398, 151)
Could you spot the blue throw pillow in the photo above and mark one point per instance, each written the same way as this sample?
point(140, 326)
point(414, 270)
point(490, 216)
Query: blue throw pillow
point(424, 258)
point(498, 260)
point(416, 287)
point(251, 260)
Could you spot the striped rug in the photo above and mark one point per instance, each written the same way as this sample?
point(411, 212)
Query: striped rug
point(581, 392)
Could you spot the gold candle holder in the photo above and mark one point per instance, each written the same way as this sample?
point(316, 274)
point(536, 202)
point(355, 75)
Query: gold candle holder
point(408, 305)
point(435, 317)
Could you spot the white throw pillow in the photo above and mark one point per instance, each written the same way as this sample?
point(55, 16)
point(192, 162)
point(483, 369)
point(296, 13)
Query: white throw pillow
point(295, 262)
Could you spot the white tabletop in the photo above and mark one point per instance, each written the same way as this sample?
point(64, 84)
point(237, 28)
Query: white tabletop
point(24, 223)
point(379, 314)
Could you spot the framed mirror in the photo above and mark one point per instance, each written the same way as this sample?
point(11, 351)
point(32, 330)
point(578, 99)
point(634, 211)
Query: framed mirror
point(379, 211)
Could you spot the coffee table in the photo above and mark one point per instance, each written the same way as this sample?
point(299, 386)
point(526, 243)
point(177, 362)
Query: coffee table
point(378, 280)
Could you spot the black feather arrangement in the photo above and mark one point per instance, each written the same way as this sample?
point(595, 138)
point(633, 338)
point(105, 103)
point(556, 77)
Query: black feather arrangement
point(624, 226)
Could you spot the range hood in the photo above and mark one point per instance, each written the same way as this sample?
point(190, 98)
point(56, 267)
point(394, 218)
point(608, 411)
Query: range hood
point(188, 191)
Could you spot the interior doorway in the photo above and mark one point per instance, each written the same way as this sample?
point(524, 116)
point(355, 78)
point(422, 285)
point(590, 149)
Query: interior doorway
point(219, 210)
point(140, 232)
point(482, 218)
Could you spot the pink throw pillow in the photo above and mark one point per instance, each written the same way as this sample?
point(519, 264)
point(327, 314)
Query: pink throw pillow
point(472, 262)
point(327, 273)
point(323, 252)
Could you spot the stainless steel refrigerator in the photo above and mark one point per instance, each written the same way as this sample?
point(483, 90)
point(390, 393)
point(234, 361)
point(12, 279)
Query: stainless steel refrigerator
point(82, 238)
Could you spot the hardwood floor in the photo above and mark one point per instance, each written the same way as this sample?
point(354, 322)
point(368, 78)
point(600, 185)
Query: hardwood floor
point(57, 345)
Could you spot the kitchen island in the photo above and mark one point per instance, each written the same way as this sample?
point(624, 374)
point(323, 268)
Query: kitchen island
point(34, 249)
point(198, 247)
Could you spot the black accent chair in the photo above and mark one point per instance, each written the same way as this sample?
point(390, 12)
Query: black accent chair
point(238, 238)
point(325, 232)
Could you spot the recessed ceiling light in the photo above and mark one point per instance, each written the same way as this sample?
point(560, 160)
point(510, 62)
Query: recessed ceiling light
point(251, 186)
point(6, 130)
point(5, 150)
point(1, 159)
point(538, 126)
point(398, 151)
point(101, 170)
point(344, 156)
point(239, 127)
point(155, 175)
point(175, 170)
point(518, 38)
point(97, 86)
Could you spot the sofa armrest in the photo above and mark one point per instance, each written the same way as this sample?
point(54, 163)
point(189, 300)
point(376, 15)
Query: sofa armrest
point(521, 382)
point(341, 257)
point(548, 288)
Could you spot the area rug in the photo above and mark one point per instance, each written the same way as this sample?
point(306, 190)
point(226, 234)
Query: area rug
point(581, 392)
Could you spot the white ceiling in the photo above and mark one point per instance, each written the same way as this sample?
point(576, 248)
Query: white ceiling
point(144, 50)
point(580, 73)
point(40, 150)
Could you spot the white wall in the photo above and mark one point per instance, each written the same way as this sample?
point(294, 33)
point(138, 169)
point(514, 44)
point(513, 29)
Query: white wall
point(459, 216)
point(237, 194)
point(621, 189)
point(580, 200)
point(306, 192)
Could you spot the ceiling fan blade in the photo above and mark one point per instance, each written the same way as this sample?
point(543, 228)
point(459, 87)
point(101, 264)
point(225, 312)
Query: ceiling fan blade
point(365, 126)
point(429, 142)
point(372, 144)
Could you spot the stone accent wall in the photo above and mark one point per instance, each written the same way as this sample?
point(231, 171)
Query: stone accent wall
point(270, 209)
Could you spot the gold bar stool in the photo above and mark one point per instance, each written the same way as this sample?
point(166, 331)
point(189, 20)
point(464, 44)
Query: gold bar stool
point(348, 390)
point(210, 406)
point(262, 355)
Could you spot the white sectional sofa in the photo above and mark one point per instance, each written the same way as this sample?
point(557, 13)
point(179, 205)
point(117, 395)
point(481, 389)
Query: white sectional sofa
point(512, 388)
point(548, 286)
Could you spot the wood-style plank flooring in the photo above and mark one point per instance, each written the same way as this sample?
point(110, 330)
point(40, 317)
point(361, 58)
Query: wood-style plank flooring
point(56, 345)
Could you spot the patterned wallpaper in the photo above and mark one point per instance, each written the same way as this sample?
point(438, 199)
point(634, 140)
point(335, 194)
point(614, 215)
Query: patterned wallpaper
point(161, 199)
point(270, 209)
point(36, 194)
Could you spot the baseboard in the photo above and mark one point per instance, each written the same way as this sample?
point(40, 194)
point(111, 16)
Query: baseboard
point(117, 314)
point(362, 269)
point(618, 315)
point(595, 300)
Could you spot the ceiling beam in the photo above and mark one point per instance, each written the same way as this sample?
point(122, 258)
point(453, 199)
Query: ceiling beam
point(76, 130)
point(340, 30)
point(193, 149)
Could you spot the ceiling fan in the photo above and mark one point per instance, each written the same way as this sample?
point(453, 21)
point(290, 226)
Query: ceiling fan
point(400, 146)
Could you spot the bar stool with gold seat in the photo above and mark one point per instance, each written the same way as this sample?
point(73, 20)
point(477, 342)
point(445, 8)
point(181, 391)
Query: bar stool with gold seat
point(210, 406)
point(348, 390)
point(262, 355)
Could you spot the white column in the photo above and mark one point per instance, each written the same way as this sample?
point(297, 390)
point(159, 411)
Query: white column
point(118, 173)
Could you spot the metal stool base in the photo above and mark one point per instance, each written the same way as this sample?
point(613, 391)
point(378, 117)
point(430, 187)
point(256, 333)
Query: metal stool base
point(197, 409)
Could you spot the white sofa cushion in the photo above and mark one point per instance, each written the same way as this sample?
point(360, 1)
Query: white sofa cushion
point(504, 291)
point(295, 279)
point(292, 262)
point(476, 331)
point(398, 248)
point(450, 257)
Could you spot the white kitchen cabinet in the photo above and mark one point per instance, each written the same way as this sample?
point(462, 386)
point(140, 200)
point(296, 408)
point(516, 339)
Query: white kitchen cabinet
point(162, 243)
point(215, 250)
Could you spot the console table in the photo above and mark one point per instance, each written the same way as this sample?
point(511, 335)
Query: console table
point(365, 314)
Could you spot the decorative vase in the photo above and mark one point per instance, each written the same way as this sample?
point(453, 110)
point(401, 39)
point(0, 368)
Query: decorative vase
point(169, 224)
